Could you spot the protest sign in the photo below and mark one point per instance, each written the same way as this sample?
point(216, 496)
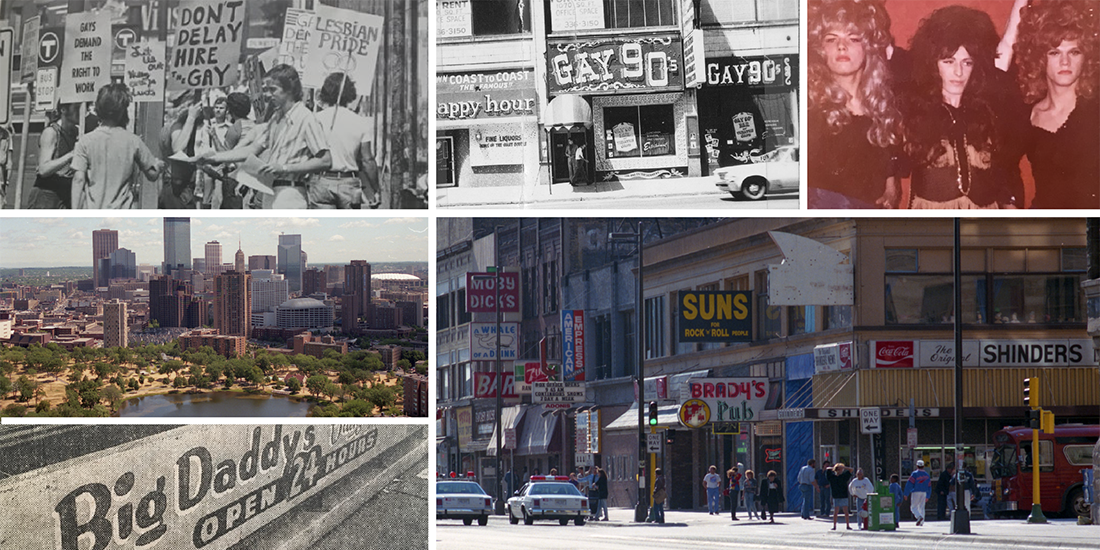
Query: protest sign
point(207, 44)
point(7, 43)
point(28, 68)
point(145, 70)
point(343, 40)
point(86, 66)
point(295, 43)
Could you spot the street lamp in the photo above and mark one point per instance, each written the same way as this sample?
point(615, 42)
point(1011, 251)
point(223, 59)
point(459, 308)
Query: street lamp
point(960, 521)
point(642, 509)
point(495, 277)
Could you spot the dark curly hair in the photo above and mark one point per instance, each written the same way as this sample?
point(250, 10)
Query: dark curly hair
point(1043, 27)
point(338, 84)
point(939, 36)
point(111, 104)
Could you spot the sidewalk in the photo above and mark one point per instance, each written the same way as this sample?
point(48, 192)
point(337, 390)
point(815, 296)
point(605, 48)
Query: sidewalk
point(1058, 533)
point(563, 192)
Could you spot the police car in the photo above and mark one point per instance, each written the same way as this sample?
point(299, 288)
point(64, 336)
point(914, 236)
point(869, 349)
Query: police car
point(463, 500)
point(548, 497)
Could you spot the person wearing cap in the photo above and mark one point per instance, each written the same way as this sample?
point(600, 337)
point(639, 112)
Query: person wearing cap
point(839, 477)
point(712, 482)
point(919, 487)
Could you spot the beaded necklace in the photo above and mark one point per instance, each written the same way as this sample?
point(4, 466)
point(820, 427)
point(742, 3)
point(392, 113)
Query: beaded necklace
point(959, 158)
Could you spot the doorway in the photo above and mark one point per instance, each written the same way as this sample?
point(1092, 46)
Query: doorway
point(561, 170)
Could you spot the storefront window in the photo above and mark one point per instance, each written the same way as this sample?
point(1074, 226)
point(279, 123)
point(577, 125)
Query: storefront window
point(655, 327)
point(1037, 299)
point(642, 131)
point(801, 320)
point(639, 13)
point(838, 317)
point(725, 11)
point(458, 18)
point(928, 299)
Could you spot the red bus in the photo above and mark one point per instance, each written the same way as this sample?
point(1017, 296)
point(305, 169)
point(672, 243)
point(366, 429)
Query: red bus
point(1062, 456)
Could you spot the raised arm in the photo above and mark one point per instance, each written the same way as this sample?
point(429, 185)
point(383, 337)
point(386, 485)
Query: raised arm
point(1004, 49)
point(47, 165)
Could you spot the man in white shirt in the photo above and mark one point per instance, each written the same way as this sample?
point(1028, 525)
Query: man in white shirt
point(347, 184)
point(713, 483)
point(859, 488)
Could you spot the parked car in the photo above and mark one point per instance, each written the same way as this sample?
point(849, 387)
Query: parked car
point(463, 500)
point(770, 172)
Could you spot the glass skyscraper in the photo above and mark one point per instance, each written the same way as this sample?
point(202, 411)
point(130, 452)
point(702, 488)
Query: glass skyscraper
point(177, 244)
point(290, 261)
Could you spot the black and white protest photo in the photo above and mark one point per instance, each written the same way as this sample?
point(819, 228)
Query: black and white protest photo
point(213, 104)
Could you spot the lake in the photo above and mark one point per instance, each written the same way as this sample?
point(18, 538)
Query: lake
point(214, 404)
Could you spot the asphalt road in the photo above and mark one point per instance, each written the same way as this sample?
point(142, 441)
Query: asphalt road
point(696, 530)
point(716, 201)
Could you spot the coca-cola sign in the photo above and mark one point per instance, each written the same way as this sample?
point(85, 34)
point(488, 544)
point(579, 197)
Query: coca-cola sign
point(892, 354)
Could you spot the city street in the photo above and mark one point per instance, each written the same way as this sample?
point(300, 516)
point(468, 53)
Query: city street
point(716, 200)
point(693, 530)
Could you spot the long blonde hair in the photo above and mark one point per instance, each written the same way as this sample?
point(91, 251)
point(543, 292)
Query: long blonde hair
point(868, 19)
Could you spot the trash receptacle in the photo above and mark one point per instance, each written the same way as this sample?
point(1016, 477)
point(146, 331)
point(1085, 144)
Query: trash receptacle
point(880, 504)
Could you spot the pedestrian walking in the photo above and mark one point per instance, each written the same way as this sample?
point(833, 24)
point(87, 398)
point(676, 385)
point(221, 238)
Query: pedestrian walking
point(917, 489)
point(749, 487)
point(839, 477)
point(657, 512)
point(53, 182)
point(713, 484)
point(602, 492)
point(734, 477)
point(895, 489)
point(806, 484)
point(859, 488)
point(945, 489)
point(346, 184)
point(104, 159)
point(824, 489)
point(771, 494)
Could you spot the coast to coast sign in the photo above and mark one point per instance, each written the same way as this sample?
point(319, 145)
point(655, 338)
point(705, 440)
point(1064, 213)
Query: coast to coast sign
point(188, 488)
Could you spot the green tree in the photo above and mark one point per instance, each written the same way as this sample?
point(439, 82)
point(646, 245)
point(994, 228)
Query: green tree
point(5, 386)
point(15, 410)
point(179, 382)
point(89, 392)
point(316, 383)
point(43, 406)
point(404, 364)
point(25, 388)
point(153, 323)
point(357, 407)
point(113, 395)
point(294, 385)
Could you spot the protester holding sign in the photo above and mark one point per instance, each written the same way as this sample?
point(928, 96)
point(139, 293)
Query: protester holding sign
point(53, 183)
point(179, 139)
point(104, 159)
point(292, 146)
point(341, 187)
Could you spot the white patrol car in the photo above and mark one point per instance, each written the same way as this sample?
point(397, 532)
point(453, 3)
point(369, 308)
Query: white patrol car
point(548, 497)
point(463, 500)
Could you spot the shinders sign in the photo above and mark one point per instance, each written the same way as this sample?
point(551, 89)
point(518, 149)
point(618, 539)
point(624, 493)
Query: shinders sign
point(189, 487)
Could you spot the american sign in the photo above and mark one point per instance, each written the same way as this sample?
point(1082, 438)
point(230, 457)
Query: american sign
point(572, 343)
point(191, 487)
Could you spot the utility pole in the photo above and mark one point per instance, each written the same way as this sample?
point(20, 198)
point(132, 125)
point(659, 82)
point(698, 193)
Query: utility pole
point(960, 517)
point(644, 462)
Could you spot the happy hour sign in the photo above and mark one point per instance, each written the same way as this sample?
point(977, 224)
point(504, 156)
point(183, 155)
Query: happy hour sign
point(207, 44)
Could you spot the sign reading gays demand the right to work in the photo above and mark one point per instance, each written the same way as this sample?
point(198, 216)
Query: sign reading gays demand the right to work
point(86, 66)
point(208, 44)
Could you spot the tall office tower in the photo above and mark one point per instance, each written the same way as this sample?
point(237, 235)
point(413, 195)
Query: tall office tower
point(356, 301)
point(268, 290)
point(238, 260)
point(232, 304)
point(114, 324)
point(123, 264)
point(313, 281)
point(290, 261)
point(199, 265)
point(104, 242)
point(213, 259)
point(177, 244)
point(261, 262)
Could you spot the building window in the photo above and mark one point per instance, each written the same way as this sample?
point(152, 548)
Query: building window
point(655, 327)
point(627, 353)
point(621, 14)
point(530, 304)
point(902, 260)
point(550, 289)
point(1074, 260)
point(929, 299)
point(442, 312)
point(1037, 299)
point(769, 318)
point(838, 317)
point(801, 320)
point(602, 326)
point(679, 347)
point(460, 18)
point(467, 376)
point(460, 304)
point(714, 12)
point(641, 131)
point(995, 299)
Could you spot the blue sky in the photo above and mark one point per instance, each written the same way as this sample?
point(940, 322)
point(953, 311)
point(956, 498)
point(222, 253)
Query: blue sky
point(56, 242)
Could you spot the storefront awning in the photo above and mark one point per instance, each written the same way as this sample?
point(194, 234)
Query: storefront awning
point(538, 432)
point(567, 111)
point(510, 418)
point(667, 417)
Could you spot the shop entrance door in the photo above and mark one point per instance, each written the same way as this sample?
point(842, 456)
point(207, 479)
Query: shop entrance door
point(561, 169)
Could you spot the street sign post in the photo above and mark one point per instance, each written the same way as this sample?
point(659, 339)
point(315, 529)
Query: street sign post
point(870, 420)
point(653, 443)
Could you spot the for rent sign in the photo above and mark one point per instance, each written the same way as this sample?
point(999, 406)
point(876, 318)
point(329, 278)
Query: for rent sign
point(731, 399)
point(188, 488)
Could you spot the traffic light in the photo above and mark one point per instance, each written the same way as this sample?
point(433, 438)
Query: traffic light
point(1034, 419)
point(670, 437)
point(1031, 392)
point(652, 413)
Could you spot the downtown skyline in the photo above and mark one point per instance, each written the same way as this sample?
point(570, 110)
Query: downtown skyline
point(64, 242)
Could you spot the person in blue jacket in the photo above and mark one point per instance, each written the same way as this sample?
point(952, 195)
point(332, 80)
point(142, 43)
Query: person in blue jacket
point(919, 487)
point(895, 489)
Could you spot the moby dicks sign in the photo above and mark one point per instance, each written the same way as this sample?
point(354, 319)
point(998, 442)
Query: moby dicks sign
point(730, 399)
point(188, 488)
point(609, 65)
point(207, 44)
point(715, 316)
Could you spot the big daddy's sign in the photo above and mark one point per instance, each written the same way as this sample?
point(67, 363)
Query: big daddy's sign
point(607, 65)
point(190, 487)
